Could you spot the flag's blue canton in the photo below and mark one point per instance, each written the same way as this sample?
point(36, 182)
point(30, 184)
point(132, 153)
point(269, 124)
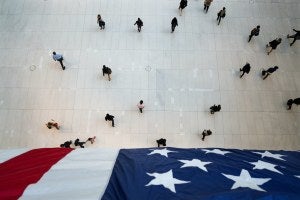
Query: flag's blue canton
point(190, 174)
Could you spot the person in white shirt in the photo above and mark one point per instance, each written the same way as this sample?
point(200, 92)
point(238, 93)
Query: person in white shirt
point(59, 58)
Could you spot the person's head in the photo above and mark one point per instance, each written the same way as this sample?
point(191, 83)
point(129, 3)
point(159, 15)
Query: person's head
point(276, 67)
point(290, 102)
point(223, 8)
point(99, 16)
point(258, 27)
point(209, 132)
point(219, 107)
point(139, 19)
point(141, 101)
point(279, 39)
point(54, 53)
point(104, 66)
point(62, 145)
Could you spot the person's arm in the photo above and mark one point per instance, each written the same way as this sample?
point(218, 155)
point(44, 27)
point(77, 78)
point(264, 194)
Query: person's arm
point(135, 23)
point(296, 30)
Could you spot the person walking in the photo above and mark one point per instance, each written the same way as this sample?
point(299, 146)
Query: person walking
point(221, 14)
point(215, 108)
point(141, 106)
point(91, 139)
point(100, 22)
point(174, 23)
point(106, 70)
point(109, 117)
point(207, 4)
point(273, 45)
point(139, 23)
point(59, 58)
point(162, 142)
point(291, 101)
point(53, 124)
point(254, 32)
point(266, 73)
point(295, 36)
point(206, 133)
point(245, 69)
point(182, 5)
point(78, 143)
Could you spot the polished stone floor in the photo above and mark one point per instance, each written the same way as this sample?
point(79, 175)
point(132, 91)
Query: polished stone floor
point(178, 75)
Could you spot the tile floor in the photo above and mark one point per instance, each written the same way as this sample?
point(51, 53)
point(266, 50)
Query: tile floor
point(179, 76)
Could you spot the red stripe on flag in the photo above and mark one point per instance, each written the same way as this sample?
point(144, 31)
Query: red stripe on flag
point(17, 173)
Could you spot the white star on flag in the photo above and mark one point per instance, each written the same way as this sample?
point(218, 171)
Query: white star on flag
point(264, 165)
point(194, 163)
point(163, 152)
point(216, 151)
point(245, 180)
point(297, 176)
point(271, 155)
point(165, 179)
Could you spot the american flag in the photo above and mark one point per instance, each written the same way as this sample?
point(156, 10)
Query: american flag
point(189, 174)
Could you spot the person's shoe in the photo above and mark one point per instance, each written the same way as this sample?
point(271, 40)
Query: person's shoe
point(287, 36)
point(202, 139)
point(64, 67)
point(291, 45)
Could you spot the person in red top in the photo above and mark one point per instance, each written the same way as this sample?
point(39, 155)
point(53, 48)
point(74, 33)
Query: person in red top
point(141, 106)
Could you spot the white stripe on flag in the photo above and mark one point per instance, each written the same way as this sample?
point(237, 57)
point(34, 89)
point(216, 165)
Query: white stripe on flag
point(82, 174)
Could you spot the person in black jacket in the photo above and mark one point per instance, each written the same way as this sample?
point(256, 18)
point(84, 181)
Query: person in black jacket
point(106, 70)
point(67, 144)
point(245, 69)
point(174, 23)
point(206, 133)
point(78, 143)
point(139, 23)
point(221, 14)
point(295, 36)
point(254, 32)
point(215, 108)
point(182, 5)
point(291, 101)
point(162, 142)
point(273, 44)
point(100, 22)
point(110, 118)
point(266, 73)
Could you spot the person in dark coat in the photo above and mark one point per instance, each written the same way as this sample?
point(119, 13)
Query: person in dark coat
point(254, 32)
point(182, 5)
point(215, 108)
point(266, 73)
point(207, 4)
point(174, 23)
point(162, 142)
point(91, 139)
point(273, 44)
point(59, 58)
point(106, 70)
point(139, 23)
point(110, 118)
point(78, 143)
point(206, 133)
point(291, 101)
point(52, 124)
point(100, 22)
point(245, 69)
point(295, 36)
point(221, 14)
point(67, 144)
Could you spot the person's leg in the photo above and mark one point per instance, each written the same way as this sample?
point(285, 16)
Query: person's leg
point(113, 123)
point(141, 110)
point(266, 76)
point(289, 107)
point(207, 7)
point(203, 136)
point(293, 41)
point(242, 74)
point(108, 77)
point(250, 36)
point(219, 20)
point(270, 50)
point(61, 63)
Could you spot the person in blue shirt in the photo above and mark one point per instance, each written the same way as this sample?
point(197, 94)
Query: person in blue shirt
point(59, 58)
